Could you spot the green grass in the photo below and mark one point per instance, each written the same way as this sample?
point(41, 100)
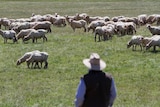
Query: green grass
point(136, 73)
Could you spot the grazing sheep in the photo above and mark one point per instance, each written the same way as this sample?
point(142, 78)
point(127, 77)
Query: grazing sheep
point(36, 34)
point(38, 57)
point(8, 34)
point(23, 33)
point(25, 56)
point(78, 24)
point(134, 41)
point(95, 24)
point(155, 30)
point(146, 40)
point(155, 41)
point(43, 25)
point(17, 28)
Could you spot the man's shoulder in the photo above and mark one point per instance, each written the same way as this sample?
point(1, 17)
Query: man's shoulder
point(108, 75)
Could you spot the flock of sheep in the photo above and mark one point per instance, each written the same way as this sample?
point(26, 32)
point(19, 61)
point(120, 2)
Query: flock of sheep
point(37, 26)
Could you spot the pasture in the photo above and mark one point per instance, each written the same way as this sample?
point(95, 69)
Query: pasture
point(136, 73)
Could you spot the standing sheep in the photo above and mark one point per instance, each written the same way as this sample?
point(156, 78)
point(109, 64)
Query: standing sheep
point(155, 30)
point(8, 34)
point(78, 24)
point(135, 40)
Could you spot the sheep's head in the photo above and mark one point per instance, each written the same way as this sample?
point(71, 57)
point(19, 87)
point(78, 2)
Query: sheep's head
point(147, 46)
point(18, 62)
point(129, 44)
point(14, 39)
point(148, 26)
point(25, 39)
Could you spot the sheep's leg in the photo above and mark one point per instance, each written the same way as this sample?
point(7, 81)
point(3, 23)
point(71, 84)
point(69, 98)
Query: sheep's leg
point(33, 40)
point(46, 38)
point(28, 64)
point(95, 37)
point(32, 64)
point(133, 48)
point(154, 48)
point(99, 38)
point(140, 47)
point(46, 65)
point(84, 29)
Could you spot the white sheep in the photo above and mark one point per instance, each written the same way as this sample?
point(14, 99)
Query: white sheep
point(25, 56)
point(78, 24)
point(23, 33)
point(155, 30)
point(110, 30)
point(8, 34)
point(60, 21)
point(36, 34)
point(95, 24)
point(155, 41)
point(100, 31)
point(134, 41)
point(38, 57)
point(142, 19)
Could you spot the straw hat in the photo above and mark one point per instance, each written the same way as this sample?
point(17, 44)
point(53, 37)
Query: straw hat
point(94, 62)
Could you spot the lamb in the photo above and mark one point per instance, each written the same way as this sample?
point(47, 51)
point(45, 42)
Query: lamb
point(155, 41)
point(25, 56)
point(78, 24)
point(23, 33)
point(38, 57)
point(135, 40)
point(154, 30)
point(8, 34)
point(36, 34)
point(43, 25)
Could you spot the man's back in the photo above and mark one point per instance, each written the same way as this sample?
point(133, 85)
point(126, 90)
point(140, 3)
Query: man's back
point(98, 86)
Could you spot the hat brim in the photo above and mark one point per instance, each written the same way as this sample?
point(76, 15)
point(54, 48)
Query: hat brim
point(101, 65)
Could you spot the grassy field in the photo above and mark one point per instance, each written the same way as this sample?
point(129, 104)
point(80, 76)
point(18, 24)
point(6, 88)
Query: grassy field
point(136, 73)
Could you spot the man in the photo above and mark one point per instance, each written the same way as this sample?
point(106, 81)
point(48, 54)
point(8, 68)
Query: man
point(96, 88)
